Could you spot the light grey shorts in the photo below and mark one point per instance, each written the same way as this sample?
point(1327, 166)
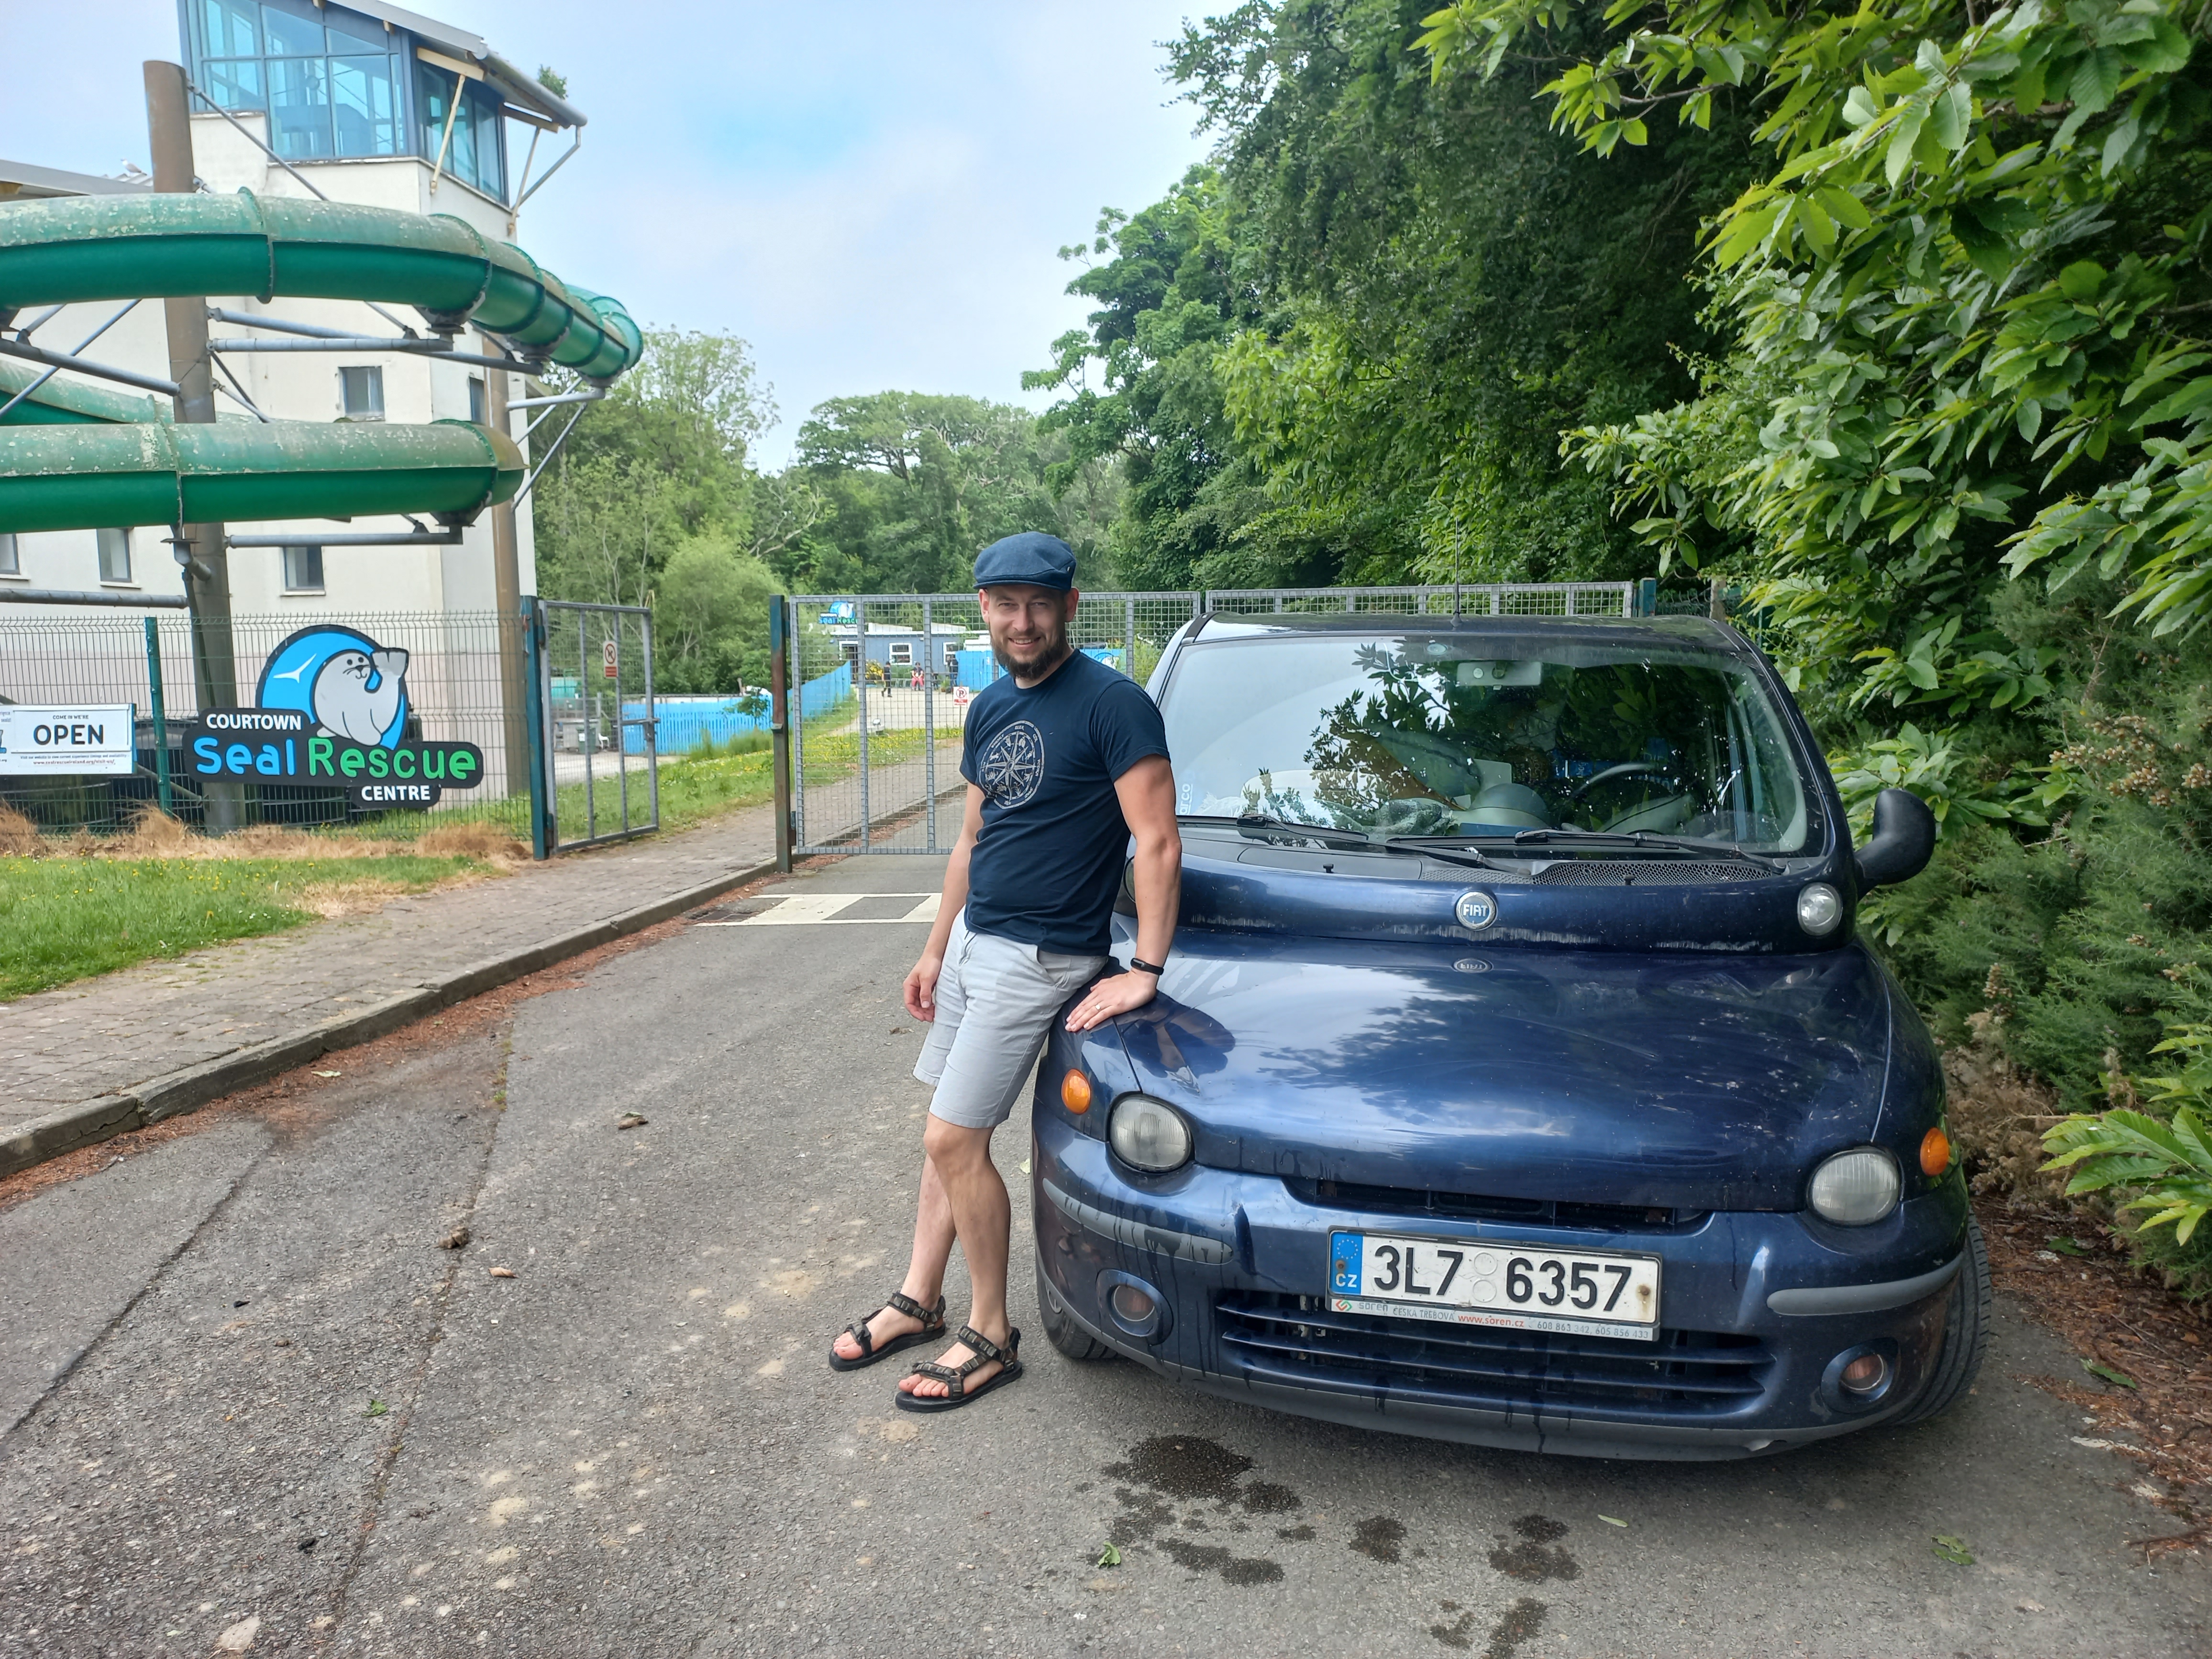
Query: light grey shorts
point(996, 1000)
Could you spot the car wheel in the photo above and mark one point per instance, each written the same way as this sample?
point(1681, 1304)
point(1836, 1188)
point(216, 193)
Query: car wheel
point(1062, 1330)
point(1966, 1334)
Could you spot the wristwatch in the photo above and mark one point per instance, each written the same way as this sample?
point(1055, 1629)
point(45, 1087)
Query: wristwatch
point(1138, 965)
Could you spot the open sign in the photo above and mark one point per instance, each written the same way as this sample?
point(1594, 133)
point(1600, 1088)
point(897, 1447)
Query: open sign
point(80, 740)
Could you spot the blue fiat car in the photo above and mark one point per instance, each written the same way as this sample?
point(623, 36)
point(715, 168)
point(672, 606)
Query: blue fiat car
point(1517, 1077)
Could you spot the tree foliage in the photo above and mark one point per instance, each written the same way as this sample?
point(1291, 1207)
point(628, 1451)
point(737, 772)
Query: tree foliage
point(1344, 352)
point(652, 500)
point(908, 487)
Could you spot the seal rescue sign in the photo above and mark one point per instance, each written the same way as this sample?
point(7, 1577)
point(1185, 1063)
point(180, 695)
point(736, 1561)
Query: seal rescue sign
point(333, 706)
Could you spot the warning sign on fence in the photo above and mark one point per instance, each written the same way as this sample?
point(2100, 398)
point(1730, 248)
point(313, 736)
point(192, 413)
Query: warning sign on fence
point(69, 740)
point(607, 659)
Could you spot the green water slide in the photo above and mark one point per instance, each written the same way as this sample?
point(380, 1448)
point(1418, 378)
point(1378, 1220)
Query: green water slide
point(74, 457)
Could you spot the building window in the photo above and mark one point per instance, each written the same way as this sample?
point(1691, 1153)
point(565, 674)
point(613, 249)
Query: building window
point(114, 554)
point(474, 152)
point(477, 407)
point(951, 659)
point(11, 558)
point(361, 390)
point(329, 79)
point(902, 653)
point(303, 569)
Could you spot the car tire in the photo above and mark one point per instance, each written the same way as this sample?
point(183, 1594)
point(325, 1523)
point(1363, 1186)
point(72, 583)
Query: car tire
point(1966, 1334)
point(1060, 1327)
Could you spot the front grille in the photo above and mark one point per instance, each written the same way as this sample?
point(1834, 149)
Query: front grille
point(1296, 1339)
point(1468, 1206)
point(1644, 872)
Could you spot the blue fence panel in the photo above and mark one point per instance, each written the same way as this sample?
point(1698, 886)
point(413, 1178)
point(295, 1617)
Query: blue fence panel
point(687, 722)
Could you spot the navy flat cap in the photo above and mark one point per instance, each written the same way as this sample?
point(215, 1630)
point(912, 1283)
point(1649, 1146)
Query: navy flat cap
point(1031, 558)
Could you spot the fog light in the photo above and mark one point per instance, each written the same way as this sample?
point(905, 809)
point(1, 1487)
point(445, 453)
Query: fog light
point(1132, 1306)
point(1819, 908)
point(1856, 1187)
point(1864, 1374)
point(1075, 1093)
point(1934, 1153)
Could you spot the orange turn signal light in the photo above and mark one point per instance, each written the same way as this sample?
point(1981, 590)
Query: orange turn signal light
point(1075, 1095)
point(1934, 1153)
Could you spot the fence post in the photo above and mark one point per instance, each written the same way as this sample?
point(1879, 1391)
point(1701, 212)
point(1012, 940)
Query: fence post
point(160, 717)
point(779, 723)
point(1717, 601)
point(542, 806)
point(1646, 597)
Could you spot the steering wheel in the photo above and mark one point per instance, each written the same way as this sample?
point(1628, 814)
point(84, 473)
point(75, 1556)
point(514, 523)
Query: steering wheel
point(1621, 770)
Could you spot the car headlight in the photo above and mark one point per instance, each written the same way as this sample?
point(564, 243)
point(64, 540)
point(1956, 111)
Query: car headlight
point(1854, 1187)
point(1819, 908)
point(1148, 1134)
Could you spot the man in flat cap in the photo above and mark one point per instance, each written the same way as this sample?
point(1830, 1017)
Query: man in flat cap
point(1066, 762)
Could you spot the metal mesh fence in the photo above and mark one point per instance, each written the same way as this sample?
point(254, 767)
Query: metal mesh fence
point(602, 753)
point(880, 686)
point(1469, 599)
point(455, 690)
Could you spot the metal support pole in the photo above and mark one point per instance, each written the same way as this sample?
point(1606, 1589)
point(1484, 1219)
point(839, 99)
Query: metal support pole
point(779, 724)
point(652, 723)
point(507, 595)
point(1129, 638)
point(541, 770)
point(207, 579)
point(161, 716)
point(590, 713)
point(929, 729)
point(860, 634)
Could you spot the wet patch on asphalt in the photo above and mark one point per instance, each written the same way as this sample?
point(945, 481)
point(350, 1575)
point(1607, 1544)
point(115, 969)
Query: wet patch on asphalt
point(1379, 1537)
point(1162, 1472)
point(1521, 1622)
point(1536, 1559)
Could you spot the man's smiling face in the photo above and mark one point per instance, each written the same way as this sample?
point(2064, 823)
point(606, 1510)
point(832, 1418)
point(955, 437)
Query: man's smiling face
point(1028, 625)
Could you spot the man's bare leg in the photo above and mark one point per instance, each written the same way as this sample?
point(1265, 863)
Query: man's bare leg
point(983, 1217)
point(925, 1267)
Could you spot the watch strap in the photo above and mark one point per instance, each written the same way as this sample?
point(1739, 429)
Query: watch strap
point(1138, 965)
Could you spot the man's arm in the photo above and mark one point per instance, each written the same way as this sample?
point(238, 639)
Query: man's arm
point(1147, 796)
point(921, 982)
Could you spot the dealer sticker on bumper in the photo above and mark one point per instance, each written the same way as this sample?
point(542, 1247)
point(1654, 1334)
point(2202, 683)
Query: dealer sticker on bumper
point(1465, 1282)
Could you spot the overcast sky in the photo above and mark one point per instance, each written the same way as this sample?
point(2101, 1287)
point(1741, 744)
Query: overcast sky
point(872, 194)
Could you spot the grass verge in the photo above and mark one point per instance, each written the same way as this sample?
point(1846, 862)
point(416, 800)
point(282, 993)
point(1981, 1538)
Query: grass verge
point(65, 919)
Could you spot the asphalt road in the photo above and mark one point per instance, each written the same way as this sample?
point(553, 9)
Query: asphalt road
point(249, 1405)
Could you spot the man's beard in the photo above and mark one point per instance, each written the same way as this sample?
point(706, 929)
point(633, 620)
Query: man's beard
point(1046, 656)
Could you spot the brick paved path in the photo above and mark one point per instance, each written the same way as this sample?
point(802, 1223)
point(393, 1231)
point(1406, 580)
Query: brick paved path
point(102, 1035)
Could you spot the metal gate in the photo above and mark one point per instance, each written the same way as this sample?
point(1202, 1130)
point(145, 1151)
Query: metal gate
point(878, 689)
point(597, 759)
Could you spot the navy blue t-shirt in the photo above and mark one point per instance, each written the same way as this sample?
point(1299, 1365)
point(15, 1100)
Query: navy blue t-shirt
point(1046, 867)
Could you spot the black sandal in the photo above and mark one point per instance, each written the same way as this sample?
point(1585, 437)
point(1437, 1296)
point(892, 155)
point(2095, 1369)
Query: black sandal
point(933, 1329)
point(981, 1351)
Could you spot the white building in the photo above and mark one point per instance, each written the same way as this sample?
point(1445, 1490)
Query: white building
point(359, 98)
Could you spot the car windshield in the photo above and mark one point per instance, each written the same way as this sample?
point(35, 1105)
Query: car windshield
point(1466, 735)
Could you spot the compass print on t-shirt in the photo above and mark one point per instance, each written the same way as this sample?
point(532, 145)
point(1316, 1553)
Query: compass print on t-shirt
point(1013, 764)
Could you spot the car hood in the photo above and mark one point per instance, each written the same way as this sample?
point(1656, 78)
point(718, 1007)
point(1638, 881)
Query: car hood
point(1682, 1081)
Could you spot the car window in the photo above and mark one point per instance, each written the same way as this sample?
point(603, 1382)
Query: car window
point(1461, 735)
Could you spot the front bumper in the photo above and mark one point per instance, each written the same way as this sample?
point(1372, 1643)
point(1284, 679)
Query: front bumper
point(1755, 1309)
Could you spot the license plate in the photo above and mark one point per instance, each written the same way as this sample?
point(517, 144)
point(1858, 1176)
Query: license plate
point(1476, 1282)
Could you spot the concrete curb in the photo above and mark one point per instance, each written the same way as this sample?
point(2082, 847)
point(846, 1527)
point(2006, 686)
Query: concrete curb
point(174, 1093)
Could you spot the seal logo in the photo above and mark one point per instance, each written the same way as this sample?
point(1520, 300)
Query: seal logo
point(1013, 764)
point(350, 686)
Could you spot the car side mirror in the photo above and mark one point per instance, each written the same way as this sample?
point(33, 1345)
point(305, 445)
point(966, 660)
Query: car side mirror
point(1903, 840)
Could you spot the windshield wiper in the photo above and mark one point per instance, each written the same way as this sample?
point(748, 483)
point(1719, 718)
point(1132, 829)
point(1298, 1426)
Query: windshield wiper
point(1258, 824)
point(1642, 838)
point(1448, 849)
